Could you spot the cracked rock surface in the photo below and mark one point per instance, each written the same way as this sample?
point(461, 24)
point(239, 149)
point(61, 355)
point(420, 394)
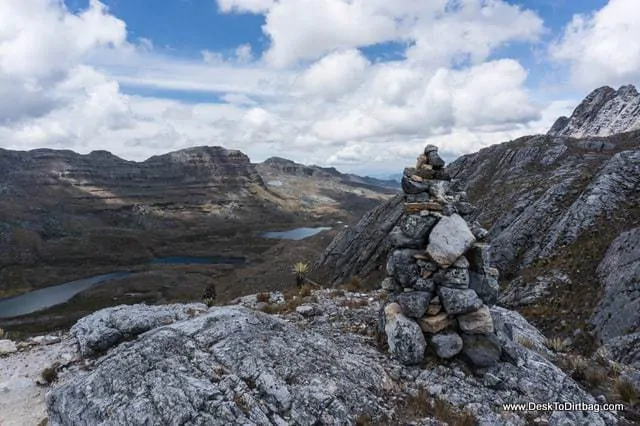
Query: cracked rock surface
point(234, 365)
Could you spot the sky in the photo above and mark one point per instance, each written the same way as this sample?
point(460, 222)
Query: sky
point(360, 85)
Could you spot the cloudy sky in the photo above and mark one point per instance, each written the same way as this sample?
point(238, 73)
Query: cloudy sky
point(361, 85)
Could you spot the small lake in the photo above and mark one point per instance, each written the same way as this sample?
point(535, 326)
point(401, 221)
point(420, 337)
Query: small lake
point(37, 300)
point(295, 234)
point(50, 296)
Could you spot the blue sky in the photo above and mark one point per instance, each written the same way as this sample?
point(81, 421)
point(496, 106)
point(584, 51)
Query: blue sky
point(360, 85)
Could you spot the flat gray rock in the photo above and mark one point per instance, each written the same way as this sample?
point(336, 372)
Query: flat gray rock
point(482, 350)
point(457, 301)
point(449, 239)
point(108, 327)
point(447, 344)
point(229, 366)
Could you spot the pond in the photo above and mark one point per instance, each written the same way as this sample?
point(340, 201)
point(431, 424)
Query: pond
point(295, 234)
point(37, 300)
point(50, 296)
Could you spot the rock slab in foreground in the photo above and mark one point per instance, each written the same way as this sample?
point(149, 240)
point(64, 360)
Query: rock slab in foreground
point(108, 327)
point(228, 366)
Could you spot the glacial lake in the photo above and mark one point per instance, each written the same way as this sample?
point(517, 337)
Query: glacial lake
point(295, 234)
point(37, 300)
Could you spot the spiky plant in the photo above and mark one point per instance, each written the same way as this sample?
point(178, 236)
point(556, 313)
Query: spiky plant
point(557, 344)
point(300, 269)
point(209, 295)
point(602, 355)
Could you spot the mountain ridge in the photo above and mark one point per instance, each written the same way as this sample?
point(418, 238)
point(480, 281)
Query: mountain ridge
point(605, 111)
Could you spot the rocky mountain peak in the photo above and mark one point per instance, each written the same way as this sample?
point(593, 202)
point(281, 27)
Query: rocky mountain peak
point(604, 112)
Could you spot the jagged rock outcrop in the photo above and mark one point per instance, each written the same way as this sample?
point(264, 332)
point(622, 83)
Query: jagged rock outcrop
point(553, 205)
point(603, 112)
point(233, 365)
point(537, 200)
point(362, 249)
point(618, 312)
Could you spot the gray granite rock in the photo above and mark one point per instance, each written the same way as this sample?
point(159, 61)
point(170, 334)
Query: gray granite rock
point(434, 159)
point(391, 285)
point(449, 239)
point(417, 227)
point(108, 327)
point(402, 266)
point(404, 336)
point(414, 304)
point(228, 366)
point(447, 344)
point(409, 186)
point(400, 240)
point(476, 322)
point(423, 284)
point(452, 277)
point(459, 301)
point(618, 312)
point(482, 350)
point(486, 286)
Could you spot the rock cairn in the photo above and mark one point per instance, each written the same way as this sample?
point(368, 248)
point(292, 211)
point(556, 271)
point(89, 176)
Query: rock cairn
point(439, 276)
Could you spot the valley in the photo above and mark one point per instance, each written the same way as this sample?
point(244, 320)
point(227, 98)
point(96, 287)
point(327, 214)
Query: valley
point(66, 217)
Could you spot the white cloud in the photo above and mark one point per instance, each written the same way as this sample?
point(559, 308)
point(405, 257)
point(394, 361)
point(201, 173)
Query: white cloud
point(341, 109)
point(252, 6)
point(439, 30)
point(602, 48)
point(335, 75)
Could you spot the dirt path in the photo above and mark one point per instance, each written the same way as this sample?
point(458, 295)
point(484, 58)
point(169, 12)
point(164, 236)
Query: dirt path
point(22, 399)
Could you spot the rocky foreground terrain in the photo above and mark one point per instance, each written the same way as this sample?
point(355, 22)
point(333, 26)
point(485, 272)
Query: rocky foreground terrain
point(313, 359)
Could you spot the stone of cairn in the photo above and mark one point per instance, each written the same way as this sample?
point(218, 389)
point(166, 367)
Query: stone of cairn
point(439, 276)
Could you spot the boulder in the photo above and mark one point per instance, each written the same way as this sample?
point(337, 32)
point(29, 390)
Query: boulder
point(447, 344)
point(404, 336)
point(424, 284)
point(477, 322)
point(485, 285)
point(409, 186)
point(402, 266)
point(457, 301)
point(110, 326)
point(449, 240)
point(482, 350)
point(453, 277)
point(435, 324)
point(414, 304)
point(400, 240)
point(417, 227)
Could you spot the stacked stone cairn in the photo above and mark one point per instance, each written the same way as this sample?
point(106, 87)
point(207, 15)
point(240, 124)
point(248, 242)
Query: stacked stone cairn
point(439, 276)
